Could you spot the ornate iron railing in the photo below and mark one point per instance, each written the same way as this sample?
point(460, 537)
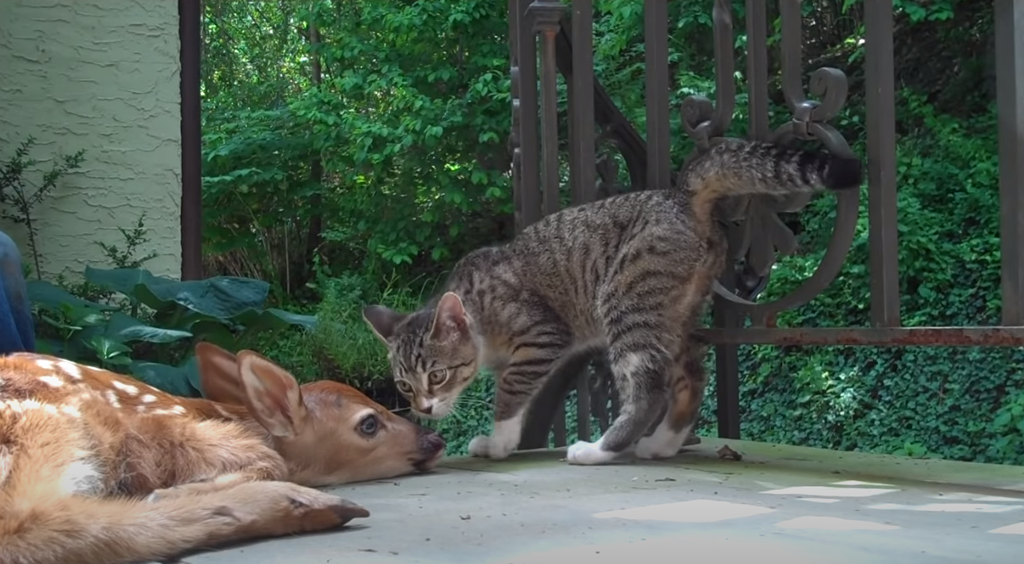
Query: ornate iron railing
point(562, 36)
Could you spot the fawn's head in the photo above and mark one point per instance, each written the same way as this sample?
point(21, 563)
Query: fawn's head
point(327, 432)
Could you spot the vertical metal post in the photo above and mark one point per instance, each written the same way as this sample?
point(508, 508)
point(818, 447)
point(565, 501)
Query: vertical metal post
point(516, 134)
point(659, 166)
point(1009, 36)
point(582, 172)
point(582, 159)
point(529, 179)
point(881, 122)
point(189, 24)
point(546, 15)
point(727, 384)
point(757, 69)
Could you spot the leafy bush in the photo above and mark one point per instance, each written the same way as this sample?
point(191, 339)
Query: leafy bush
point(377, 146)
point(17, 197)
point(147, 324)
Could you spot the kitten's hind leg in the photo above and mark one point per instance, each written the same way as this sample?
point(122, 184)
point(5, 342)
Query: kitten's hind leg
point(688, 380)
point(638, 367)
point(534, 357)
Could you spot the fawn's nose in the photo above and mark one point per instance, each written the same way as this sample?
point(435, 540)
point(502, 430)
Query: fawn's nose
point(430, 442)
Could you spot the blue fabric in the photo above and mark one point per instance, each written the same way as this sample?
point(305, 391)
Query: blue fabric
point(17, 333)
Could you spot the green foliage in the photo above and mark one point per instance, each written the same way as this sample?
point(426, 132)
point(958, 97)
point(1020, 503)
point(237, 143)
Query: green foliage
point(134, 238)
point(346, 347)
point(354, 149)
point(408, 122)
point(156, 316)
point(950, 402)
point(17, 196)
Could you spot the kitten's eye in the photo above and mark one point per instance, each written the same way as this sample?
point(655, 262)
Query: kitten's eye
point(369, 425)
point(438, 377)
point(404, 387)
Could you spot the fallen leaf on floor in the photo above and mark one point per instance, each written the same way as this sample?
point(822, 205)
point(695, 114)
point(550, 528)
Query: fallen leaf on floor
point(464, 517)
point(728, 453)
point(665, 480)
point(367, 550)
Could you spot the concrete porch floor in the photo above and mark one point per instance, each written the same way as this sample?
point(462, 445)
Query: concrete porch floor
point(779, 504)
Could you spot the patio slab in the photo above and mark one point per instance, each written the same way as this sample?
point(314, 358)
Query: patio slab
point(779, 503)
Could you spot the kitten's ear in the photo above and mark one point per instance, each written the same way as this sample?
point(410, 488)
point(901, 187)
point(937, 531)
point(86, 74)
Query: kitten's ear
point(382, 321)
point(450, 319)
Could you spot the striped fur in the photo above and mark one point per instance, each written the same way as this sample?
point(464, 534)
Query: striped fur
point(627, 275)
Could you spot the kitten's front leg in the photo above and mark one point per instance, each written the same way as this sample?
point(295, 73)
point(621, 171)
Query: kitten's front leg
point(502, 442)
point(516, 386)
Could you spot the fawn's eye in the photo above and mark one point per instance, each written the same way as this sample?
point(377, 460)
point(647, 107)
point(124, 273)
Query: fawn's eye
point(404, 387)
point(369, 425)
point(437, 377)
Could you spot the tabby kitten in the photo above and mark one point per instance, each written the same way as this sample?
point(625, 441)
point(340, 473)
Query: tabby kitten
point(627, 275)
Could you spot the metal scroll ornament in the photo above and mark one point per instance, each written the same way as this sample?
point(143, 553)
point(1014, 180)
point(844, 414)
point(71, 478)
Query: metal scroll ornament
point(755, 231)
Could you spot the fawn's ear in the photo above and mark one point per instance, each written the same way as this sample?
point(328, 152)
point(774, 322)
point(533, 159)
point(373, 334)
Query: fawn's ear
point(271, 394)
point(218, 375)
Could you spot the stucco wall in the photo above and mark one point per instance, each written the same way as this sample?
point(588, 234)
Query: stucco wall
point(103, 76)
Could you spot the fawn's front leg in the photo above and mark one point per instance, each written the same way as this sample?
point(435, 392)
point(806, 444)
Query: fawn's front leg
point(214, 456)
point(51, 529)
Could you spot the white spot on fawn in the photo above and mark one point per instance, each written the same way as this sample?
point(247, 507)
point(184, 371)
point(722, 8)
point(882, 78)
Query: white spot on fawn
point(6, 463)
point(126, 388)
point(21, 406)
point(44, 364)
point(71, 369)
point(82, 476)
point(112, 398)
point(148, 398)
point(176, 410)
point(52, 381)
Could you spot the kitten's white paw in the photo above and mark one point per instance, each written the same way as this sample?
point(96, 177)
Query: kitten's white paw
point(663, 443)
point(584, 453)
point(650, 449)
point(480, 447)
point(488, 447)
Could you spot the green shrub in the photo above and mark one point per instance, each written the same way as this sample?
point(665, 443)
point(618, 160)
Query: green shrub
point(343, 344)
point(147, 325)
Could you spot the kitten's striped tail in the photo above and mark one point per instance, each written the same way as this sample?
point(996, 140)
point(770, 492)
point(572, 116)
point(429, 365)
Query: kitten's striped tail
point(743, 168)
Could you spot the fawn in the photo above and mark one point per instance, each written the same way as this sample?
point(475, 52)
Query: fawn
point(96, 467)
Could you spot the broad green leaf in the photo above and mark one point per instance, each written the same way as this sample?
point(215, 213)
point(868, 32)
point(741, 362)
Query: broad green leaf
point(222, 297)
point(106, 348)
point(53, 347)
point(119, 360)
point(126, 328)
point(215, 332)
point(191, 368)
point(171, 379)
point(52, 297)
point(272, 321)
point(121, 280)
